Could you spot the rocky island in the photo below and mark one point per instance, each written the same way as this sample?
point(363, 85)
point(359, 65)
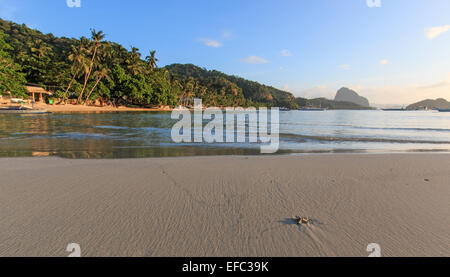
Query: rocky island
point(348, 95)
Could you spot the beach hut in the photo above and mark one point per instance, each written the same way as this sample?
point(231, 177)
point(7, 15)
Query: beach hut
point(40, 92)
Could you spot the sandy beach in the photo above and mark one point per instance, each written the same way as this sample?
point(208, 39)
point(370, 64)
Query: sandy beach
point(69, 108)
point(227, 206)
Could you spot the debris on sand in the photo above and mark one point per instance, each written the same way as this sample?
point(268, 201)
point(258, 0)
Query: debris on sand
point(303, 220)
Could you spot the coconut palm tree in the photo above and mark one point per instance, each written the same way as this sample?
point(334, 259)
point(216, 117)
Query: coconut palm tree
point(105, 60)
point(41, 48)
point(78, 58)
point(96, 38)
point(102, 73)
point(152, 60)
point(134, 60)
point(39, 60)
point(190, 87)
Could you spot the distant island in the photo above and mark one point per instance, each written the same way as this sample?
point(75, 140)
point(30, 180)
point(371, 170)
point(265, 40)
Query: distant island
point(348, 95)
point(430, 104)
point(346, 99)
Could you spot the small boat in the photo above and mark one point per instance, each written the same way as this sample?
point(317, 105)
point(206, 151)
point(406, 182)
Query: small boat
point(16, 100)
point(22, 110)
point(444, 110)
point(285, 110)
point(395, 110)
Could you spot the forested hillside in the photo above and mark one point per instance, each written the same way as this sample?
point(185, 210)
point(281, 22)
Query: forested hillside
point(330, 104)
point(230, 89)
point(10, 77)
point(92, 68)
point(430, 104)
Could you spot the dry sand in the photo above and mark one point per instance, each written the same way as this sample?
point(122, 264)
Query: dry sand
point(227, 206)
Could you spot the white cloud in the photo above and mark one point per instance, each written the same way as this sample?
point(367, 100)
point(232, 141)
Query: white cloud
point(286, 88)
point(406, 94)
point(254, 60)
point(373, 3)
point(286, 53)
point(210, 42)
point(317, 92)
point(384, 62)
point(345, 67)
point(433, 32)
point(356, 88)
point(438, 85)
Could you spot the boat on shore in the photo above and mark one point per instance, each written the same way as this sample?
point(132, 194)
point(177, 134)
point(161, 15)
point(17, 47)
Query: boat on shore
point(18, 106)
point(444, 110)
point(22, 110)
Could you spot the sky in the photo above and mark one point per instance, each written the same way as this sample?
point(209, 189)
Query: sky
point(390, 51)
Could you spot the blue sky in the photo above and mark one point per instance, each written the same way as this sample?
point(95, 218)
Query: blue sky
point(397, 53)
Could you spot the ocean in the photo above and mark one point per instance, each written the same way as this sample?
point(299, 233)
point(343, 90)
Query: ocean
point(148, 134)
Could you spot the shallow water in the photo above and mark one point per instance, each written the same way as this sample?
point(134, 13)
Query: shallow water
point(136, 135)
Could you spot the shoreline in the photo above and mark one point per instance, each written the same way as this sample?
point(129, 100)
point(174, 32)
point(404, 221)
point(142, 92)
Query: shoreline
point(48, 155)
point(61, 108)
point(368, 153)
point(226, 206)
point(82, 108)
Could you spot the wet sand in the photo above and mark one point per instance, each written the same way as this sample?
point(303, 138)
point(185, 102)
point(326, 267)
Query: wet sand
point(227, 206)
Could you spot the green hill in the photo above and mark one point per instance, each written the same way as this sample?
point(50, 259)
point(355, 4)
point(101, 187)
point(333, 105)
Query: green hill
point(336, 105)
point(329, 104)
point(215, 88)
point(430, 104)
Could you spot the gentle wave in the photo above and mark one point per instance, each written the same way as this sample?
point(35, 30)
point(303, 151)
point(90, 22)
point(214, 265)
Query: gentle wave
point(303, 124)
point(358, 139)
point(113, 127)
point(401, 129)
point(155, 129)
point(77, 135)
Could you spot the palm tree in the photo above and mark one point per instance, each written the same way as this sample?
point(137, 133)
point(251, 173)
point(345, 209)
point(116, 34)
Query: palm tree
point(102, 73)
point(152, 60)
point(41, 48)
point(78, 58)
point(96, 38)
point(86, 71)
point(38, 64)
point(133, 61)
point(105, 60)
point(190, 87)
